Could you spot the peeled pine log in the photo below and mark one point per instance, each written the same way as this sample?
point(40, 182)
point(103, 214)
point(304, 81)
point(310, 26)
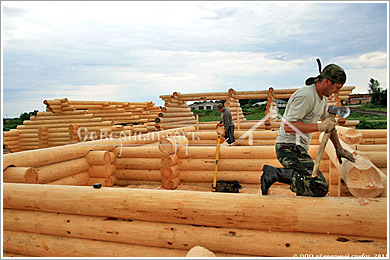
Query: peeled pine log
point(170, 172)
point(349, 135)
point(98, 157)
point(164, 120)
point(208, 176)
point(346, 216)
point(374, 148)
point(176, 115)
point(362, 177)
point(373, 133)
point(198, 251)
point(175, 109)
point(169, 160)
point(147, 175)
point(249, 152)
point(139, 163)
point(44, 156)
point(112, 158)
point(231, 164)
point(79, 179)
point(137, 152)
point(9, 254)
point(378, 158)
point(52, 172)
point(170, 184)
point(56, 246)
point(101, 170)
point(172, 144)
point(107, 181)
point(20, 175)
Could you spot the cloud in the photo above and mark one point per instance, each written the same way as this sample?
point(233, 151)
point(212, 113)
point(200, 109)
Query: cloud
point(138, 50)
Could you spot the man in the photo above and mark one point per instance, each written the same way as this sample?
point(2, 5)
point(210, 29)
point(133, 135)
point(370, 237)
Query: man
point(304, 108)
point(228, 125)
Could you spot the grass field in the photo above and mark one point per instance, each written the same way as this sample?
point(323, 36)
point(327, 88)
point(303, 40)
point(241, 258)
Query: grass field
point(257, 113)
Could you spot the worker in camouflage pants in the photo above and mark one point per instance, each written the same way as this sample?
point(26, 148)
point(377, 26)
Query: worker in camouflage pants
point(297, 158)
point(304, 109)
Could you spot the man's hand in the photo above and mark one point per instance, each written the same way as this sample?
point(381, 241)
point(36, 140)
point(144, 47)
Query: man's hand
point(342, 153)
point(327, 125)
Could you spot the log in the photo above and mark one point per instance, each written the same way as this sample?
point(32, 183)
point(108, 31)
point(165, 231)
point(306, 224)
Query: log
point(198, 251)
point(170, 184)
point(44, 156)
point(98, 157)
point(373, 133)
point(172, 144)
point(170, 172)
point(349, 135)
point(112, 158)
point(9, 254)
point(52, 172)
point(175, 115)
point(346, 216)
point(56, 246)
point(100, 170)
point(249, 152)
point(79, 179)
point(378, 158)
point(374, 148)
point(175, 109)
point(169, 160)
point(137, 152)
point(20, 175)
point(373, 141)
point(139, 163)
point(235, 164)
point(164, 120)
point(362, 177)
point(207, 176)
point(107, 181)
point(147, 175)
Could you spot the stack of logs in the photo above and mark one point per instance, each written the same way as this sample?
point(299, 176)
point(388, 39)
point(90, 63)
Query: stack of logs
point(48, 221)
point(119, 112)
point(60, 124)
point(66, 221)
point(102, 168)
point(232, 102)
point(170, 170)
point(48, 129)
point(176, 113)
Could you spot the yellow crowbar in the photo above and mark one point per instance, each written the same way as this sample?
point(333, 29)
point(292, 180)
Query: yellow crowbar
point(216, 163)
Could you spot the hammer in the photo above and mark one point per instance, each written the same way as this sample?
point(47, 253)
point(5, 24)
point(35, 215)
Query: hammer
point(333, 111)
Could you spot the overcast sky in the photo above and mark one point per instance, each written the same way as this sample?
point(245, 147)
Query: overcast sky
point(137, 51)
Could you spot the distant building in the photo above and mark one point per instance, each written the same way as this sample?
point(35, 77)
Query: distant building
point(279, 103)
point(203, 106)
point(358, 99)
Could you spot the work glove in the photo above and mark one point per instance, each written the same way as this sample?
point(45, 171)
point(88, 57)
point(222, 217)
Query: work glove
point(342, 153)
point(327, 125)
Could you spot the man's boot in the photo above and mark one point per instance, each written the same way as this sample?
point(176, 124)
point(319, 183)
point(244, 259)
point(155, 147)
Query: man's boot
point(272, 174)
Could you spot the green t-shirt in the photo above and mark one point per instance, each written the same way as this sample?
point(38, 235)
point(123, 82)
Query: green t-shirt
point(306, 106)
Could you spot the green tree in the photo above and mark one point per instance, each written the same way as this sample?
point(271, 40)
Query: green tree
point(378, 95)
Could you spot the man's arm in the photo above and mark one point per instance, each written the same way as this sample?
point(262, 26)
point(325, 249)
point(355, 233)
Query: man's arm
point(290, 127)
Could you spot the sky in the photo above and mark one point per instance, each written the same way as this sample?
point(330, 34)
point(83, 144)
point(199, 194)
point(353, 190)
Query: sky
point(137, 51)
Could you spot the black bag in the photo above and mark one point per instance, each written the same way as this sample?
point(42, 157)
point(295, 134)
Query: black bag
point(228, 186)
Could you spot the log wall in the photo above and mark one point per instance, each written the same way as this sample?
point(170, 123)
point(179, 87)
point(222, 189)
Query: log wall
point(113, 222)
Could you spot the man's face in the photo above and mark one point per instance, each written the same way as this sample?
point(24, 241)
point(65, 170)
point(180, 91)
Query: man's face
point(331, 88)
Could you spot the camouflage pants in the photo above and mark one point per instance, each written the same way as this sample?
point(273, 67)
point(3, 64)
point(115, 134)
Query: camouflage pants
point(296, 157)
